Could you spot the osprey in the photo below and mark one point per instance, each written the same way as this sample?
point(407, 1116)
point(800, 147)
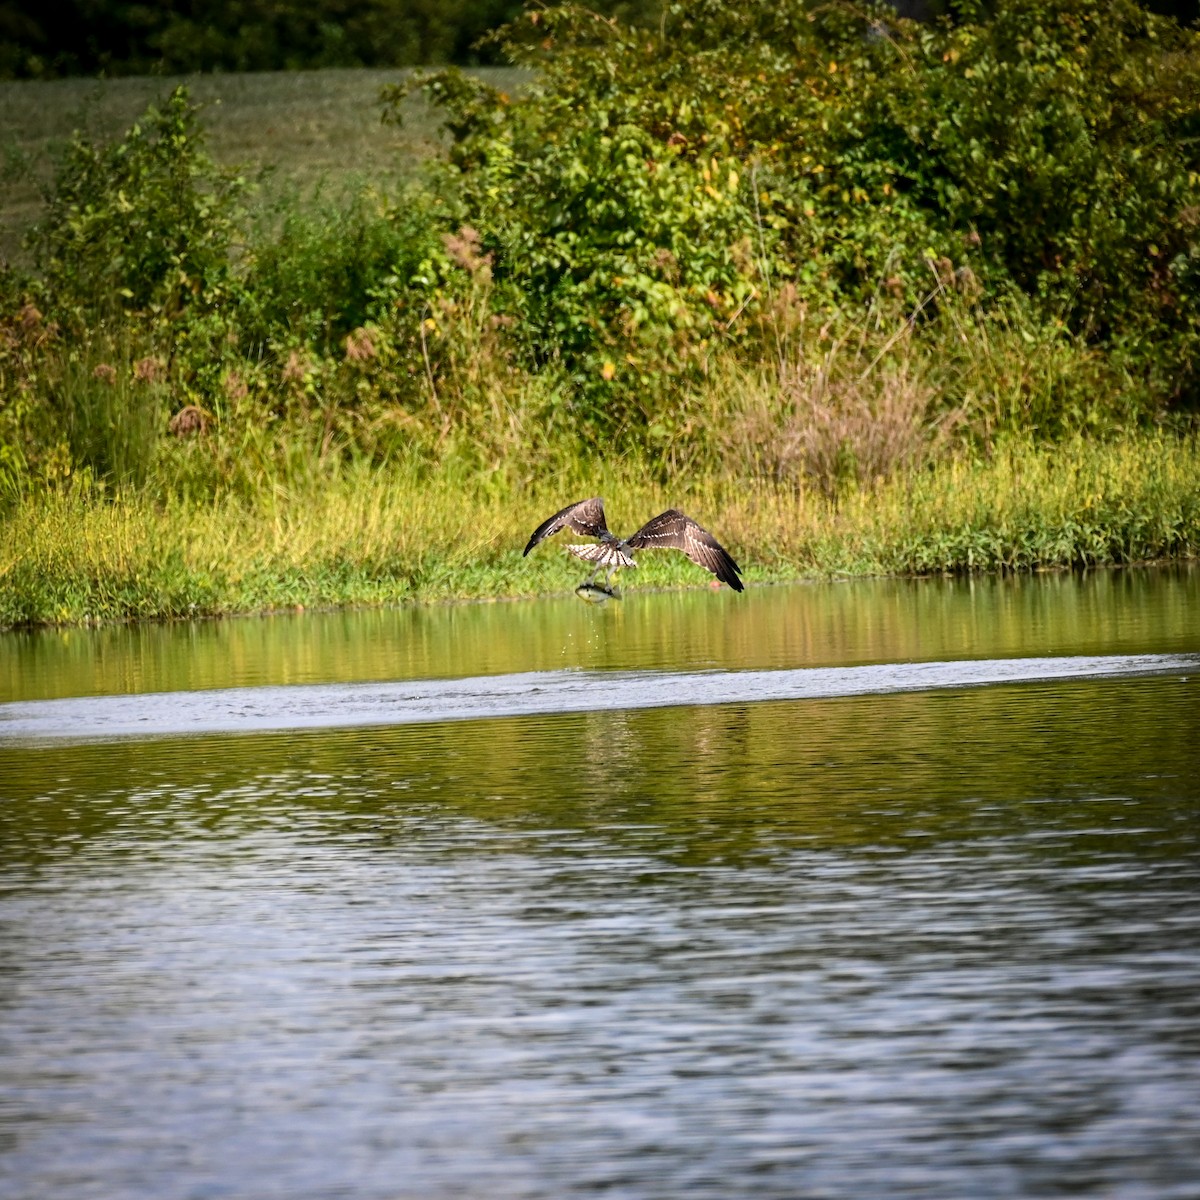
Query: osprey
point(669, 530)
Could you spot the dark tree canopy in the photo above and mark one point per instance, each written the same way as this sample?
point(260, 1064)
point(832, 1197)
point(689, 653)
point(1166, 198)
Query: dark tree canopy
point(46, 38)
point(49, 38)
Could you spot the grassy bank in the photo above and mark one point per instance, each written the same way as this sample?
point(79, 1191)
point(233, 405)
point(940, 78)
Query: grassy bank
point(401, 535)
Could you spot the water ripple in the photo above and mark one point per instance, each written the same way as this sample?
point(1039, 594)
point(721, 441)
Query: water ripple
point(328, 706)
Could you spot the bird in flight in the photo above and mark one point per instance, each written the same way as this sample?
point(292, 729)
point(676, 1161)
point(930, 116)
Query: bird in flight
point(670, 530)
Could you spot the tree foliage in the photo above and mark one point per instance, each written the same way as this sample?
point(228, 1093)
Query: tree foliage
point(71, 37)
point(654, 188)
point(1017, 190)
point(144, 223)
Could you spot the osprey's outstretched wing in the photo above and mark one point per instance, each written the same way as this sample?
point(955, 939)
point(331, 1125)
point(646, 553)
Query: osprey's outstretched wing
point(586, 517)
point(674, 531)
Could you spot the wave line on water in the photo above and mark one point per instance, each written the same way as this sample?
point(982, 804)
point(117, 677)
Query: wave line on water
point(535, 693)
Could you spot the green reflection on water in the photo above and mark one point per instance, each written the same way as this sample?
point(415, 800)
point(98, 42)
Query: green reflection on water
point(716, 784)
point(1103, 612)
point(1109, 765)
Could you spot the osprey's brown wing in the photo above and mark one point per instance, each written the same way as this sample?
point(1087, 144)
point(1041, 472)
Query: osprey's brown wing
point(674, 531)
point(586, 517)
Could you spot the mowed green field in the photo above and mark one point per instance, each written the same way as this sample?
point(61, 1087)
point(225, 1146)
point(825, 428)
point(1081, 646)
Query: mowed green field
point(294, 130)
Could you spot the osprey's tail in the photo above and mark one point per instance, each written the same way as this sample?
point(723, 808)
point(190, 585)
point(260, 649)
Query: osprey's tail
point(607, 555)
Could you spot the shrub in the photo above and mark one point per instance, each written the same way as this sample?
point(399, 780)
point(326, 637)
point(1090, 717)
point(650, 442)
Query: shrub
point(654, 186)
point(1062, 135)
point(333, 266)
point(144, 224)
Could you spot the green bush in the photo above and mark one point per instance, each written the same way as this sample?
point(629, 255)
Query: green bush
point(307, 319)
point(654, 187)
point(144, 224)
point(1063, 135)
point(332, 267)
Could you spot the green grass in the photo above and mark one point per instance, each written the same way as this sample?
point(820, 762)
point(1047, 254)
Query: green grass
point(371, 537)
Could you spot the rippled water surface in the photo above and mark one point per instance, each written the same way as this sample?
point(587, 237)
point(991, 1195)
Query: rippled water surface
point(840, 890)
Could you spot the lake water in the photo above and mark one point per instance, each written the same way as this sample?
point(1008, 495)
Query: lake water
point(835, 890)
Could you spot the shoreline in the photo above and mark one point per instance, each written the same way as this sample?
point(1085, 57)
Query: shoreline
point(372, 538)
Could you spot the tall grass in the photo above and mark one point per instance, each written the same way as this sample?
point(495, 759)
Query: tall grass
point(851, 451)
point(406, 533)
point(866, 447)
